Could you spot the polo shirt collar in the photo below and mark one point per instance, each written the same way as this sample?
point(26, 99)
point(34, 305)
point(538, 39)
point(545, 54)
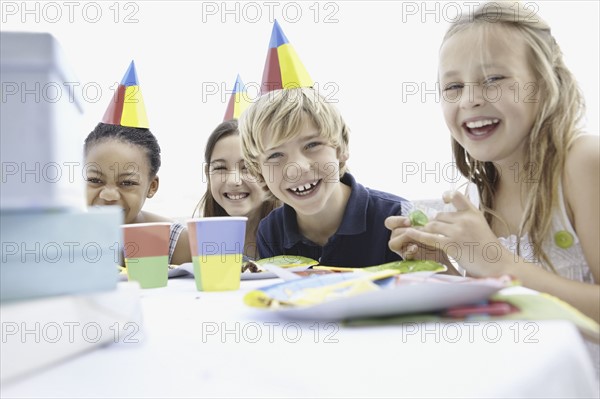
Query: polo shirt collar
point(355, 215)
point(291, 233)
point(354, 220)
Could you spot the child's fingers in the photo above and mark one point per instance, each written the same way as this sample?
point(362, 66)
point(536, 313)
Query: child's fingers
point(428, 239)
point(411, 251)
point(460, 202)
point(408, 250)
point(399, 245)
point(394, 222)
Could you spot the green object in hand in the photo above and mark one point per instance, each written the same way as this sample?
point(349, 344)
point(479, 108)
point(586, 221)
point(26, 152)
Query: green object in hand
point(418, 218)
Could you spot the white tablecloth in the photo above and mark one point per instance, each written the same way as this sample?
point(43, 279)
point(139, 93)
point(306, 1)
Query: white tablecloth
point(196, 344)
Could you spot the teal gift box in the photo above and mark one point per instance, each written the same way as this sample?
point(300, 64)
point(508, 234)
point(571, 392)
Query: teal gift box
point(47, 253)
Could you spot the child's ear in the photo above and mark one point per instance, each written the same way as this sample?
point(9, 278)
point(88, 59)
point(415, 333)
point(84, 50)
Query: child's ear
point(153, 187)
point(342, 156)
point(264, 187)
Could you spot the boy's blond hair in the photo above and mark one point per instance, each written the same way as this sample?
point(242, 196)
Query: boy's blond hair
point(280, 114)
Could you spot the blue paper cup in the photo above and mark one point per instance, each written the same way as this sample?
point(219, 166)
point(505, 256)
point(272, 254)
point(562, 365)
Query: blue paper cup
point(217, 246)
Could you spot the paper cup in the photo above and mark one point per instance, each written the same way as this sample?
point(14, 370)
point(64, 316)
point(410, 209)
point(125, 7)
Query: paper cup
point(217, 246)
point(146, 250)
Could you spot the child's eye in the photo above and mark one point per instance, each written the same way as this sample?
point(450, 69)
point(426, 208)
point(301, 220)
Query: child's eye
point(129, 183)
point(219, 167)
point(312, 144)
point(93, 180)
point(492, 79)
point(274, 155)
point(453, 86)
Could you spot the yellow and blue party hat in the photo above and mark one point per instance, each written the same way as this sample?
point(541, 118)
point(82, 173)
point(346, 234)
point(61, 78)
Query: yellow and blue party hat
point(283, 68)
point(238, 102)
point(127, 105)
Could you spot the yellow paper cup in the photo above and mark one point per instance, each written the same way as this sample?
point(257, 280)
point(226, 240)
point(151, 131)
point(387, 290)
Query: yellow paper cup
point(146, 248)
point(217, 246)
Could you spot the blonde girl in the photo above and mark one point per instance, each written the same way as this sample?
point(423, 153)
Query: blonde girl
point(513, 110)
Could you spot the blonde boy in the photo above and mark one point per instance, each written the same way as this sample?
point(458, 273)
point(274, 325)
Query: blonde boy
point(297, 144)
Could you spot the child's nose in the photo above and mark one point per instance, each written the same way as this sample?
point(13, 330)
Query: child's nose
point(234, 178)
point(472, 96)
point(110, 194)
point(297, 167)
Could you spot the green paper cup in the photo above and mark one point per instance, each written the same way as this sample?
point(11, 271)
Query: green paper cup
point(217, 246)
point(146, 247)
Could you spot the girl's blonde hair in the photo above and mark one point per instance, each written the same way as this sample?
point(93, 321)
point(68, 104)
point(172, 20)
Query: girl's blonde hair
point(208, 206)
point(281, 114)
point(560, 108)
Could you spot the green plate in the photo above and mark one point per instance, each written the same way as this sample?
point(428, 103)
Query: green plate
point(287, 261)
point(410, 266)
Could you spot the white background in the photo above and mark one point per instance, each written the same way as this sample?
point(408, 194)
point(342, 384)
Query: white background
point(365, 55)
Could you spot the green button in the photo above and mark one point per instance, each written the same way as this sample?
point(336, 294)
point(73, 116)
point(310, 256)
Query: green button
point(563, 239)
point(418, 218)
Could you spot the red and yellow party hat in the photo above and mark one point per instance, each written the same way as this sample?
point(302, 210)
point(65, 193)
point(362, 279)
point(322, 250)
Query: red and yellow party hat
point(127, 105)
point(238, 102)
point(283, 68)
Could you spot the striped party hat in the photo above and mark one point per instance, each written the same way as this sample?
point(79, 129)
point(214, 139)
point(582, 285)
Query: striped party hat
point(283, 68)
point(127, 105)
point(238, 102)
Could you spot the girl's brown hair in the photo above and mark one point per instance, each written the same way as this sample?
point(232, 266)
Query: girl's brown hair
point(207, 205)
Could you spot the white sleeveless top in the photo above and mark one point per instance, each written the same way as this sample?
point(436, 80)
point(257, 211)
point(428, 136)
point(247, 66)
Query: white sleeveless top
point(568, 260)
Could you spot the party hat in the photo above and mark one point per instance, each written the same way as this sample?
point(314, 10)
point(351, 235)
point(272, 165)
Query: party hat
point(238, 102)
point(127, 105)
point(283, 68)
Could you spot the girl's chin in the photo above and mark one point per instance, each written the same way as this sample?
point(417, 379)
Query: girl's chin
point(236, 211)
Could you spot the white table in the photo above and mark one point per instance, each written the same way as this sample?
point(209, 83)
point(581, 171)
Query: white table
point(196, 344)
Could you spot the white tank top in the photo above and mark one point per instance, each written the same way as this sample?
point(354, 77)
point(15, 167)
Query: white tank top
point(562, 246)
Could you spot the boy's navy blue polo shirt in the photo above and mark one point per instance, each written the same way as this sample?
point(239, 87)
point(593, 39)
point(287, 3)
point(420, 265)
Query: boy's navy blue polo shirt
point(360, 240)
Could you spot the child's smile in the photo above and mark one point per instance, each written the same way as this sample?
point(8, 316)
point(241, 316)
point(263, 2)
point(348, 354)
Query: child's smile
point(230, 183)
point(236, 196)
point(118, 174)
point(307, 189)
point(303, 172)
point(490, 95)
point(480, 128)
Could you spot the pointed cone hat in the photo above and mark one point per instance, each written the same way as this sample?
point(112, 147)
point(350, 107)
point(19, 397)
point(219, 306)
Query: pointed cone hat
point(238, 102)
point(127, 105)
point(283, 68)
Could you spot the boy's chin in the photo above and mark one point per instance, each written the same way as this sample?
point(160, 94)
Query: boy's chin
point(304, 208)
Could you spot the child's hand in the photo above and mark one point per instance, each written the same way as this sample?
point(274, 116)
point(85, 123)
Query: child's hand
point(463, 235)
point(398, 225)
point(410, 249)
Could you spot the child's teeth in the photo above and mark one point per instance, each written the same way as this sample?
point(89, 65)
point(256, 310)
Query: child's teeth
point(481, 123)
point(303, 188)
point(236, 196)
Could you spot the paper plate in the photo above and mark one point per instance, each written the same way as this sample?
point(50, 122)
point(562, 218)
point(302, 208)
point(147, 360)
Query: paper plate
point(290, 262)
point(434, 293)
